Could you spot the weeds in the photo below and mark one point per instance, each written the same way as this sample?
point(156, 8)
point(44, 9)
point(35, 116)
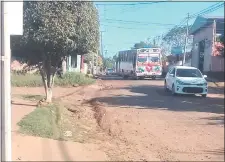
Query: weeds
point(34, 80)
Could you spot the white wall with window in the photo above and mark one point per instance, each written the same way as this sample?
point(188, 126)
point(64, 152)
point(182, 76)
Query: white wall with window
point(73, 63)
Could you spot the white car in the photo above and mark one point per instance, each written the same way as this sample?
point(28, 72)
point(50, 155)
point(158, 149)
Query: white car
point(186, 80)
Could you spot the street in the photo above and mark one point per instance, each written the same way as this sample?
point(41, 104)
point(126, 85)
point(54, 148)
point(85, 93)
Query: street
point(159, 126)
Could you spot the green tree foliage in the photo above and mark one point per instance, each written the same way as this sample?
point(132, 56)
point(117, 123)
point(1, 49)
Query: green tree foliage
point(142, 44)
point(176, 37)
point(54, 30)
point(108, 63)
point(221, 39)
point(115, 57)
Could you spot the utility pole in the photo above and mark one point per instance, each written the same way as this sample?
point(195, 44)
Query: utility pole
point(92, 62)
point(106, 53)
point(5, 87)
point(101, 43)
point(96, 60)
point(186, 41)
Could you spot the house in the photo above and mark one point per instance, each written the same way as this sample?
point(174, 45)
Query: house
point(73, 63)
point(205, 31)
point(177, 60)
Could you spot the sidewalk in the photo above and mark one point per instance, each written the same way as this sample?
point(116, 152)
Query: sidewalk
point(29, 148)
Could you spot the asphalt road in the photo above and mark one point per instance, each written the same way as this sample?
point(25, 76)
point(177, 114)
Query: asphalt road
point(160, 126)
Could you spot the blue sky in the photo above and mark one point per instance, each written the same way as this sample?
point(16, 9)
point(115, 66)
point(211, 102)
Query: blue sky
point(126, 24)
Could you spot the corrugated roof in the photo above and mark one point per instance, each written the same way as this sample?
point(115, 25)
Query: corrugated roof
point(203, 21)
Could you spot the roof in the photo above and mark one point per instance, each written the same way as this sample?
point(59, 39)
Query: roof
point(203, 21)
point(185, 67)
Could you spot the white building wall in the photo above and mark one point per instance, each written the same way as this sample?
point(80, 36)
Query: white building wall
point(206, 34)
point(70, 65)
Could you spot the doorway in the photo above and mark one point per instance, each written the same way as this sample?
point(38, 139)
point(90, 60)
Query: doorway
point(201, 51)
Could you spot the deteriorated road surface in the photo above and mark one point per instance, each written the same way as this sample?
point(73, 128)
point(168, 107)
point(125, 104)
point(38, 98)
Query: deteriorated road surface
point(159, 126)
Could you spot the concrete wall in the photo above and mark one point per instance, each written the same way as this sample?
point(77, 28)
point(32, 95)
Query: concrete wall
point(207, 35)
point(217, 64)
point(85, 69)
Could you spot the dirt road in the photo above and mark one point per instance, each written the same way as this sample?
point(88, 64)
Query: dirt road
point(155, 125)
point(139, 121)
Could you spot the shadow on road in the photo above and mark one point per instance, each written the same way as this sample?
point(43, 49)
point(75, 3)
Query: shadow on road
point(154, 97)
point(116, 77)
point(216, 152)
point(23, 104)
point(215, 120)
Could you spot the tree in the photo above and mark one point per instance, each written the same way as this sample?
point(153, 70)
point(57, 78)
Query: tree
point(176, 37)
point(115, 57)
point(218, 49)
point(142, 44)
point(108, 63)
point(54, 30)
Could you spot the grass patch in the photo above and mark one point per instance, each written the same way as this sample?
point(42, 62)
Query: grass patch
point(53, 121)
point(27, 80)
point(34, 80)
point(43, 122)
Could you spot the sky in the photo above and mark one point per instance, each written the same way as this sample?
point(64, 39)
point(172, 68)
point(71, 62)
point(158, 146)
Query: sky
point(125, 23)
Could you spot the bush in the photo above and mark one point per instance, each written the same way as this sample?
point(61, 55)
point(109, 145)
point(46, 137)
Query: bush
point(34, 80)
point(73, 78)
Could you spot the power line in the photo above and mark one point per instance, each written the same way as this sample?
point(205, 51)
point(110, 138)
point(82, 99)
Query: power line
point(204, 11)
point(138, 22)
point(126, 27)
point(127, 4)
point(208, 10)
point(132, 7)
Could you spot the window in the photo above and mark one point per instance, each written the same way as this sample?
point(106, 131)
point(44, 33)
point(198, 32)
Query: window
point(73, 61)
point(130, 57)
point(154, 59)
point(155, 50)
point(172, 71)
point(142, 58)
point(188, 73)
point(126, 57)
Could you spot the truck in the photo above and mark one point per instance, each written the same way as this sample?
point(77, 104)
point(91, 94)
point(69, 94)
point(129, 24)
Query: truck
point(140, 63)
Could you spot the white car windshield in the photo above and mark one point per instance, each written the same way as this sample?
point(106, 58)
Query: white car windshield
point(195, 73)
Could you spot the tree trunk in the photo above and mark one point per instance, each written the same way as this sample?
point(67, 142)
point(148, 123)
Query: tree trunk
point(48, 74)
point(44, 79)
point(49, 95)
point(64, 66)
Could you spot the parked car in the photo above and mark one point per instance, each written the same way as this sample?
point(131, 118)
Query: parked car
point(109, 71)
point(186, 80)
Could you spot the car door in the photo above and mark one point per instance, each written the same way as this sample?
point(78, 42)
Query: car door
point(171, 78)
point(168, 76)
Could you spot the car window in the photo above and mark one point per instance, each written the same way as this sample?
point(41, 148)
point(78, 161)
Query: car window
point(173, 71)
point(170, 70)
point(188, 73)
